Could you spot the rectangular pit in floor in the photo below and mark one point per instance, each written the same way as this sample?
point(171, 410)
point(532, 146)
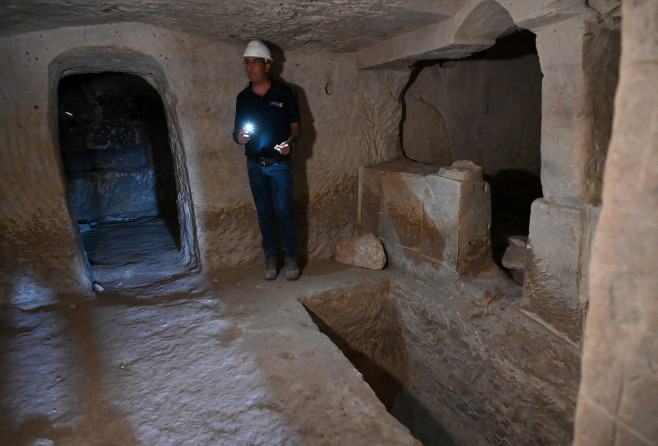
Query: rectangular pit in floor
point(451, 366)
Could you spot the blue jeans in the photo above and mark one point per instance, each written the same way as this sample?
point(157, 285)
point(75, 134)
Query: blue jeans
point(271, 187)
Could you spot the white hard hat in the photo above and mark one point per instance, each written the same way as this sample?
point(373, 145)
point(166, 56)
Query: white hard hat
point(256, 48)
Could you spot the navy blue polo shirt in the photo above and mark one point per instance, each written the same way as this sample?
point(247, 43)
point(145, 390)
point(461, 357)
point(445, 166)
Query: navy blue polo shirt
point(271, 116)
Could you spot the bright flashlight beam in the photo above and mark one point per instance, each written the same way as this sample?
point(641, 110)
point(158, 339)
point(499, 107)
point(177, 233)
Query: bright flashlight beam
point(249, 127)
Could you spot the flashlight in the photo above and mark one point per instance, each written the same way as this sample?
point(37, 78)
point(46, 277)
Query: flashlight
point(249, 127)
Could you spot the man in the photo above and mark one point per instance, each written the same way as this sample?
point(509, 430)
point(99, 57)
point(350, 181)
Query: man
point(267, 124)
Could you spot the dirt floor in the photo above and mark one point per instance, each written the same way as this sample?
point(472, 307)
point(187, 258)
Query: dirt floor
point(231, 359)
point(159, 356)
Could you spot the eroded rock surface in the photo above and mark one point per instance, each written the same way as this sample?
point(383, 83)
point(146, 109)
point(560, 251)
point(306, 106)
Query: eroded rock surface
point(365, 251)
point(231, 361)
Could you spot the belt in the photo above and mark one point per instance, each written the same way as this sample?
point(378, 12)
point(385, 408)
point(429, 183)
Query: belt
point(266, 161)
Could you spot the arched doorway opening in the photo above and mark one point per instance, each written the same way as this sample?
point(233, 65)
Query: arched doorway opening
point(121, 177)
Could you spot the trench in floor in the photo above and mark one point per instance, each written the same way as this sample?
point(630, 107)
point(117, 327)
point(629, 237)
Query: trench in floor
point(455, 364)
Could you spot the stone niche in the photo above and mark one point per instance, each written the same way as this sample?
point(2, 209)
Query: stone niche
point(431, 219)
point(486, 108)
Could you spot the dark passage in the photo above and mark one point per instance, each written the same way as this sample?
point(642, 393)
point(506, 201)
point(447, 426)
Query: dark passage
point(514, 189)
point(120, 172)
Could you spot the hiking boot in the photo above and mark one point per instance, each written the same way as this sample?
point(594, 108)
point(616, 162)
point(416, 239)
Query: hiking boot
point(270, 268)
point(292, 269)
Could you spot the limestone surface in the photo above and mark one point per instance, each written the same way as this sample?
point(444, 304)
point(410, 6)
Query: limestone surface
point(618, 399)
point(224, 360)
point(365, 251)
point(486, 108)
point(551, 271)
point(325, 24)
point(515, 254)
point(427, 350)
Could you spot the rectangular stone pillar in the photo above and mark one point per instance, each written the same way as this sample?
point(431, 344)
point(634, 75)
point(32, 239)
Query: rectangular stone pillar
point(552, 271)
point(579, 62)
point(564, 111)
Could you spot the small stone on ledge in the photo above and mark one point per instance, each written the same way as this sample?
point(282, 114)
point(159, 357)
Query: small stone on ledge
point(462, 170)
point(515, 254)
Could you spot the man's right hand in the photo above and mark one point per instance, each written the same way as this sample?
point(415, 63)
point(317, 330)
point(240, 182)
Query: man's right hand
point(243, 137)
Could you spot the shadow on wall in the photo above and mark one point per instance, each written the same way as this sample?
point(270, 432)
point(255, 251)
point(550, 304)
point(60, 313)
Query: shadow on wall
point(416, 69)
point(302, 153)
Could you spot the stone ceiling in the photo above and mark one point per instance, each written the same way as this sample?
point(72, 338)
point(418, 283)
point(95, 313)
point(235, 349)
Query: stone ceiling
point(331, 25)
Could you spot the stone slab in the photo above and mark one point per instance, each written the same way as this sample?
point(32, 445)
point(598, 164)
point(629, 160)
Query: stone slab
point(439, 236)
point(403, 194)
point(411, 261)
point(456, 222)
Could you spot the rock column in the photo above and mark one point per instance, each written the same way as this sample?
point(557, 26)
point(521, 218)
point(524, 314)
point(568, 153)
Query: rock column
point(573, 139)
point(618, 399)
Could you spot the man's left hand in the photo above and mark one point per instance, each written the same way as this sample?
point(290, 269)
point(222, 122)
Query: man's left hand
point(283, 148)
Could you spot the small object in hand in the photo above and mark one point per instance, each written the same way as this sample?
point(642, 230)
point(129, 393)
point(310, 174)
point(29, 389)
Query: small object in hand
point(278, 147)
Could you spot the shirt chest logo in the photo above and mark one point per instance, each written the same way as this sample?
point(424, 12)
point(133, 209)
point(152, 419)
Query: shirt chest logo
point(277, 104)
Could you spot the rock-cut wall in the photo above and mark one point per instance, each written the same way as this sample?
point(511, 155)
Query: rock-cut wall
point(349, 118)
